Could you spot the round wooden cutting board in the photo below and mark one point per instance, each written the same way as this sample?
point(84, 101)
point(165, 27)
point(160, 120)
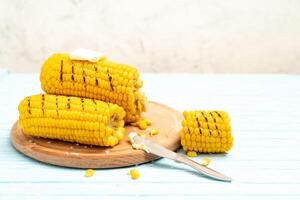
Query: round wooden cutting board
point(67, 154)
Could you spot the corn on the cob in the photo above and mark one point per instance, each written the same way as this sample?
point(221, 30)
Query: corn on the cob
point(72, 119)
point(103, 80)
point(206, 132)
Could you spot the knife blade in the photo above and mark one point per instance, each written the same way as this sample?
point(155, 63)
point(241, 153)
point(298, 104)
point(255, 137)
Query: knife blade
point(161, 151)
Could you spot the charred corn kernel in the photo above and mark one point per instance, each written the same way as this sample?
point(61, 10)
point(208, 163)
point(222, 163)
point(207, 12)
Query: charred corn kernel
point(191, 153)
point(206, 132)
point(134, 174)
point(72, 119)
point(89, 173)
point(103, 80)
point(205, 161)
point(154, 131)
point(142, 124)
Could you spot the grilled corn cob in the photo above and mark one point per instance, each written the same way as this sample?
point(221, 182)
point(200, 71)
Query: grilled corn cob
point(72, 119)
point(103, 80)
point(206, 132)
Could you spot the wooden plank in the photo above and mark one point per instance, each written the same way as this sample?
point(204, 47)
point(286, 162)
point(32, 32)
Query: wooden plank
point(85, 188)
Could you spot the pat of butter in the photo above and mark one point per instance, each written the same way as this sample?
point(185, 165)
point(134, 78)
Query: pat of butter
point(86, 54)
point(141, 146)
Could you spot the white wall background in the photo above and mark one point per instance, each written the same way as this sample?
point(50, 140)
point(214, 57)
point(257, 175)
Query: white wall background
point(232, 36)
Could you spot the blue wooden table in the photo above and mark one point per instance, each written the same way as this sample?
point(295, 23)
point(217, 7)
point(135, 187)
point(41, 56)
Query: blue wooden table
point(264, 162)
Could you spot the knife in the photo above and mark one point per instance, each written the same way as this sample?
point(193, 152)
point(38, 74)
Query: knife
point(156, 149)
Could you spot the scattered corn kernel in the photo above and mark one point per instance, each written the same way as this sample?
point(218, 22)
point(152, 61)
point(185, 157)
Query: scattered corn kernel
point(141, 134)
point(134, 174)
point(154, 131)
point(205, 161)
point(148, 121)
point(191, 153)
point(89, 173)
point(142, 124)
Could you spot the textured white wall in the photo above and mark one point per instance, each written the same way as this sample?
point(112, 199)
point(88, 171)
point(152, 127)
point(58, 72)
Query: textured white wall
point(157, 36)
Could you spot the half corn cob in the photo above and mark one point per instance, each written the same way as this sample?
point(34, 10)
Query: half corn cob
point(103, 80)
point(206, 131)
point(72, 119)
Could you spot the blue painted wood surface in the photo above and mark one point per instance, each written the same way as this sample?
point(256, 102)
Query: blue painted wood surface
point(3, 72)
point(264, 162)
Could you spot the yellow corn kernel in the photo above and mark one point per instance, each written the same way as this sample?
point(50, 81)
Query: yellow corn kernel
point(103, 80)
point(148, 121)
point(141, 134)
point(119, 134)
point(142, 124)
point(89, 173)
point(72, 119)
point(205, 161)
point(154, 131)
point(206, 131)
point(191, 153)
point(134, 174)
